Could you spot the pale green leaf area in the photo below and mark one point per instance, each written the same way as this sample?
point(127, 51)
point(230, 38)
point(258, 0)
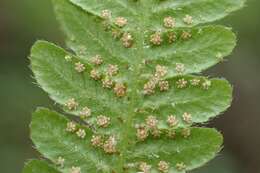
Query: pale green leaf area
point(88, 38)
point(38, 166)
point(150, 12)
point(128, 79)
point(202, 11)
point(86, 34)
point(202, 104)
point(48, 132)
point(51, 139)
point(59, 78)
point(193, 151)
point(207, 47)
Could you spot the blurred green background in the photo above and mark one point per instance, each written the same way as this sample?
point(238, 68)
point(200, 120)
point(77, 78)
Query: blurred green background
point(22, 22)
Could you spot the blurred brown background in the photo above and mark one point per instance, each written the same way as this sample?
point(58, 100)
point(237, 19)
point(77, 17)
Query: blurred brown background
point(22, 22)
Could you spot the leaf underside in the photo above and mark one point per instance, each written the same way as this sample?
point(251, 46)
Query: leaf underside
point(38, 166)
point(50, 138)
point(142, 51)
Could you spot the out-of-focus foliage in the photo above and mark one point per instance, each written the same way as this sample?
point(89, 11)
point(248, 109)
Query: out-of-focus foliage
point(19, 28)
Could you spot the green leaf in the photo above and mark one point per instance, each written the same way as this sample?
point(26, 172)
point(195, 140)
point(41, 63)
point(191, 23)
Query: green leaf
point(137, 48)
point(202, 11)
point(59, 78)
point(151, 12)
point(207, 46)
point(48, 132)
point(38, 166)
point(195, 151)
point(119, 7)
point(51, 139)
point(201, 103)
point(87, 37)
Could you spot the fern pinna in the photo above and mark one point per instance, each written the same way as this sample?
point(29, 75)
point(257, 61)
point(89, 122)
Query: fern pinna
point(129, 88)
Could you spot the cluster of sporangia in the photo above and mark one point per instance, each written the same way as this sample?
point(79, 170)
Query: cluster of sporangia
point(106, 79)
point(108, 144)
point(155, 39)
